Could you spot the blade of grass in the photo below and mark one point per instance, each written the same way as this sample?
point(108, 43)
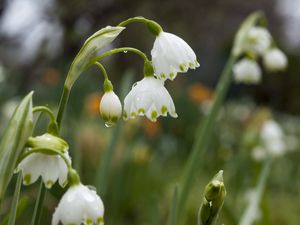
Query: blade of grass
point(13, 210)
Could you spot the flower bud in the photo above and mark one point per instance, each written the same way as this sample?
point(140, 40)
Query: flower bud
point(247, 71)
point(275, 60)
point(110, 108)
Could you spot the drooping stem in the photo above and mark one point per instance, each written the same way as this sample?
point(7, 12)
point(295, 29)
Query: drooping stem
point(202, 137)
point(44, 109)
point(14, 206)
point(118, 50)
point(101, 67)
point(153, 26)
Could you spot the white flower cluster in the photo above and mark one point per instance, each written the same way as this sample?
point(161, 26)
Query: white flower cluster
point(148, 97)
point(272, 141)
point(258, 44)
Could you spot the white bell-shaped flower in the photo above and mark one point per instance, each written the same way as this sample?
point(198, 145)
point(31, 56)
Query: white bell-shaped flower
point(273, 138)
point(247, 71)
point(258, 40)
point(50, 167)
point(110, 108)
point(79, 205)
point(275, 60)
point(170, 55)
point(148, 97)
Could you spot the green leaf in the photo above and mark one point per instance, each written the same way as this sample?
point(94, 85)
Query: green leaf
point(241, 35)
point(14, 139)
point(89, 50)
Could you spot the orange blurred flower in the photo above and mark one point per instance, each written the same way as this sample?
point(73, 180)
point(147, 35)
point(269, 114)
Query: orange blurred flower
point(92, 104)
point(51, 77)
point(199, 93)
point(151, 129)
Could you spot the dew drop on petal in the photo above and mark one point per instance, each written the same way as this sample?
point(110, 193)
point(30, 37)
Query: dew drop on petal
point(109, 124)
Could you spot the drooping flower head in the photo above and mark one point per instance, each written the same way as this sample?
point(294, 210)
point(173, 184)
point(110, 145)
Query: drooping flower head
point(247, 71)
point(50, 167)
point(170, 55)
point(275, 60)
point(258, 40)
point(148, 97)
point(110, 108)
point(79, 205)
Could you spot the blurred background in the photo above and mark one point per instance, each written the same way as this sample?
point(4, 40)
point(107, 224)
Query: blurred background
point(40, 38)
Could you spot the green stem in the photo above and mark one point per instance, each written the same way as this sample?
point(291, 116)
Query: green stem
point(153, 26)
point(39, 204)
point(41, 195)
point(202, 137)
point(249, 214)
point(62, 105)
point(118, 50)
point(44, 109)
point(13, 210)
point(101, 67)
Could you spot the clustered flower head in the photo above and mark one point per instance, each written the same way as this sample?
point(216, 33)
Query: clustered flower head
point(149, 97)
point(258, 43)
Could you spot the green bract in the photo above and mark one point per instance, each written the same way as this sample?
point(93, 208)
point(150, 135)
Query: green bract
point(14, 139)
point(89, 50)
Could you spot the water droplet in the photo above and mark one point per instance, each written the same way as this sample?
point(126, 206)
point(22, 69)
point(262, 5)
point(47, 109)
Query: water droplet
point(125, 51)
point(108, 124)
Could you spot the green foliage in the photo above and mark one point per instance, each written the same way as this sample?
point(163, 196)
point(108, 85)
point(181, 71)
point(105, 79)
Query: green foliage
point(13, 140)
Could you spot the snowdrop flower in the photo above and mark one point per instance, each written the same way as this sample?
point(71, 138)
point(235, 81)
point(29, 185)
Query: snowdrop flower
point(275, 60)
point(50, 167)
point(247, 71)
point(170, 55)
point(79, 205)
point(110, 108)
point(273, 138)
point(258, 40)
point(148, 97)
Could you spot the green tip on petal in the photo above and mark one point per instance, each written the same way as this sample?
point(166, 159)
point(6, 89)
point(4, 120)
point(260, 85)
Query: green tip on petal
point(100, 220)
point(154, 115)
point(27, 179)
point(141, 111)
point(49, 183)
point(164, 110)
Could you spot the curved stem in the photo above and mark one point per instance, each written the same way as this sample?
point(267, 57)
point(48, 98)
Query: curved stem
point(102, 69)
point(118, 50)
point(133, 20)
point(153, 26)
point(44, 109)
point(37, 150)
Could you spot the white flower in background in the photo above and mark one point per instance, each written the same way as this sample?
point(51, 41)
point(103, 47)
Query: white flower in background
point(170, 55)
point(79, 205)
point(258, 40)
point(148, 97)
point(259, 153)
point(110, 108)
point(50, 167)
point(275, 60)
point(247, 71)
point(273, 138)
